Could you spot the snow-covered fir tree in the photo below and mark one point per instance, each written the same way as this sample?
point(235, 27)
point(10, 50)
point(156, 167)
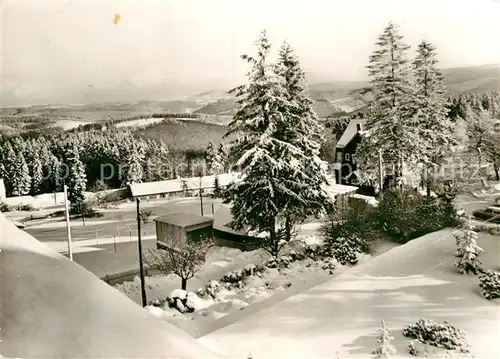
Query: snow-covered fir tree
point(468, 251)
point(210, 156)
point(383, 347)
point(133, 165)
point(36, 174)
point(20, 178)
point(389, 127)
point(76, 179)
point(217, 188)
point(265, 153)
point(430, 109)
point(302, 130)
point(17, 177)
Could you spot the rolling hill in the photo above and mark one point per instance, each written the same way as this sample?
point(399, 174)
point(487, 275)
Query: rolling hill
point(338, 97)
point(333, 98)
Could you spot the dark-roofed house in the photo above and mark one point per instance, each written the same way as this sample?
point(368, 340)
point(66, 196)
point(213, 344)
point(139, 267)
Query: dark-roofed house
point(345, 167)
point(176, 229)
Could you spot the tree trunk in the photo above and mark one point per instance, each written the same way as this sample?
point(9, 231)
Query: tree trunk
point(273, 239)
point(288, 228)
point(83, 220)
point(184, 283)
point(496, 168)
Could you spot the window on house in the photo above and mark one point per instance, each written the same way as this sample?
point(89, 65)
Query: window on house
point(347, 157)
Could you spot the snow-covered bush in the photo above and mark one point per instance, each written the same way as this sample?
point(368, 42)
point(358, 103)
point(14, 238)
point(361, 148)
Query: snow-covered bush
point(404, 214)
point(411, 349)
point(383, 348)
point(468, 251)
point(211, 290)
point(345, 250)
point(329, 264)
point(489, 282)
point(157, 302)
point(183, 301)
point(445, 335)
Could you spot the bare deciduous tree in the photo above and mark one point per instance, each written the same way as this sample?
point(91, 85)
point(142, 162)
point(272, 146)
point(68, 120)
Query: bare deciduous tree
point(184, 261)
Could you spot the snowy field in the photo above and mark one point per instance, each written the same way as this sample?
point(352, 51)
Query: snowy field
point(67, 125)
point(342, 315)
point(139, 123)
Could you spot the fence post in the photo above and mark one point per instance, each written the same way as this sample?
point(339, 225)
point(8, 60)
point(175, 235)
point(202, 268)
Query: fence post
point(130, 235)
point(212, 209)
point(114, 242)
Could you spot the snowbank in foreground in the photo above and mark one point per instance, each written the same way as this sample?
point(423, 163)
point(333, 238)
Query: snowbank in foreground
point(44, 316)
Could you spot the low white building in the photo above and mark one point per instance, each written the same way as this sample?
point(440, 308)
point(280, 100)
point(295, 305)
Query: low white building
point(182, 187)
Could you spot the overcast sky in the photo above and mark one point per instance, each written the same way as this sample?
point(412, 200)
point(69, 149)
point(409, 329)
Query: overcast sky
point(53, 46)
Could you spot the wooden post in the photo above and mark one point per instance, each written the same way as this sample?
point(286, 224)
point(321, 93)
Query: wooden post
point(68, 226)
point(114, 242)
point(212, 209)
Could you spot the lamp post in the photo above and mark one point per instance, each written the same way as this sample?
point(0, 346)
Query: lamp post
point(141, 267)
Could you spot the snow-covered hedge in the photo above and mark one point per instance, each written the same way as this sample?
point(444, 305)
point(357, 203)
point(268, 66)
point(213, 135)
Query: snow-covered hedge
point(183, 301)
point(445, 335)
point(489, 282)
point(236, 278)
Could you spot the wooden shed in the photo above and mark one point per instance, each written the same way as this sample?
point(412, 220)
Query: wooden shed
point(176, 229)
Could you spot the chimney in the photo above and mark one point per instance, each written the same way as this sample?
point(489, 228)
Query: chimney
point(359, 127)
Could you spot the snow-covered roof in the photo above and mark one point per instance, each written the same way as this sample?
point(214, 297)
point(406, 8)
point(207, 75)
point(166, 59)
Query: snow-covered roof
point(54, 308)
point(350, 132)
point(184, 220)
point(176, 185)
point(336, 189)
point(368, 199)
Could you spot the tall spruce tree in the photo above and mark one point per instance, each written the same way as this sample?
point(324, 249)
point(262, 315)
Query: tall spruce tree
point(266, 153)
point(430, 110)
point(36, 174)
point(76, 179)
point(19, 175)
point(210, 157)
point(134, 167)
point(257, 200)
point(303, 131)
point(389, 128)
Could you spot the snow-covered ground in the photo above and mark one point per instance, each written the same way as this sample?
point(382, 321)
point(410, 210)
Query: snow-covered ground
point(271, 284)
point(139, 123)
point(342, 315)
point(41, 201)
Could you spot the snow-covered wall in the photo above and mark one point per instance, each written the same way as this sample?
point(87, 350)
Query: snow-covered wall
point(53, 308)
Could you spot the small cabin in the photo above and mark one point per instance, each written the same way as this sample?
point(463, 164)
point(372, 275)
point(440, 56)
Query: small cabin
point(346, 167)
point(175, 230)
